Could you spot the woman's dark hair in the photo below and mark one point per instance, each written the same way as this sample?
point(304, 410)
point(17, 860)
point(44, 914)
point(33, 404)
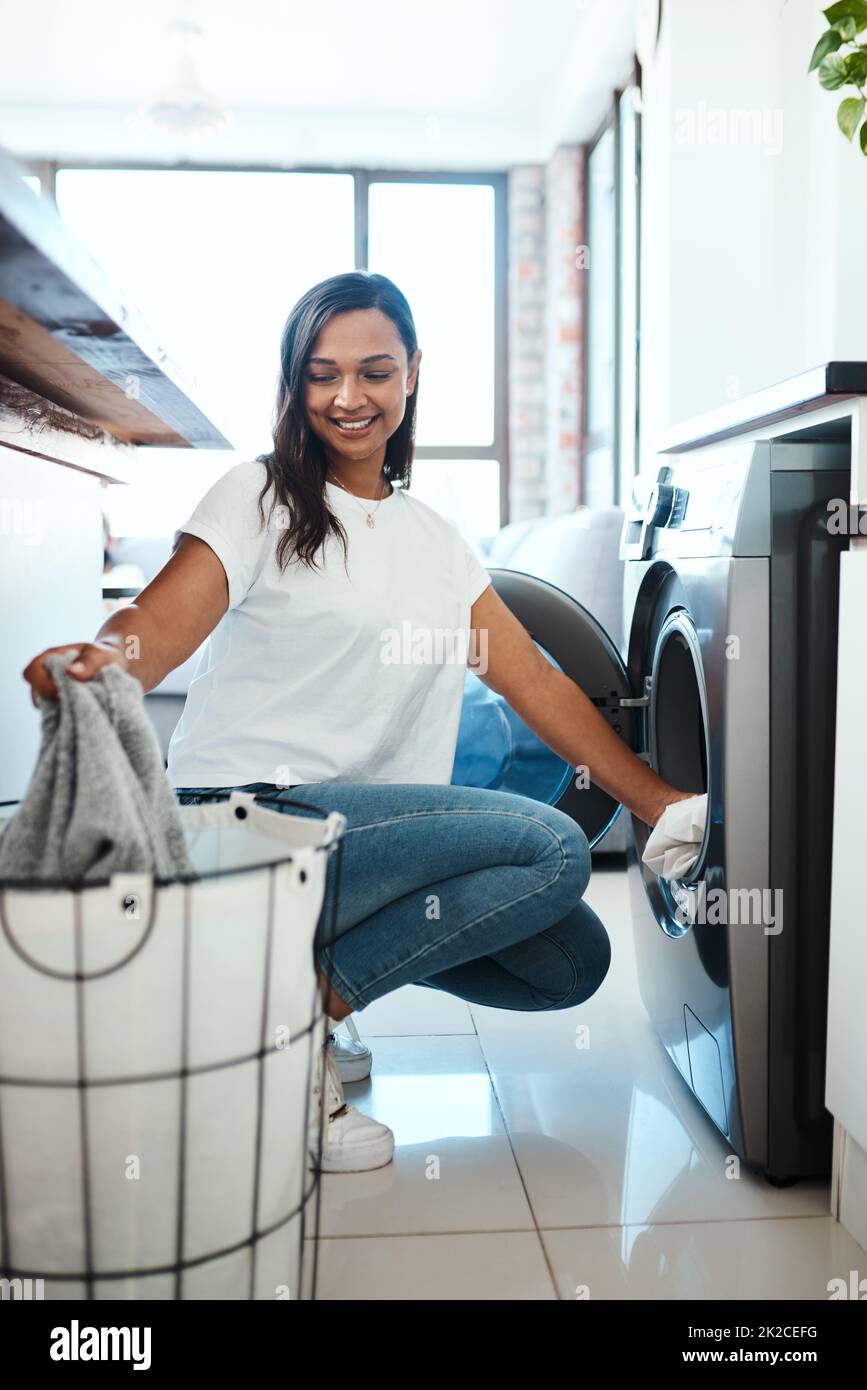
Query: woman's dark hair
point(297, 465)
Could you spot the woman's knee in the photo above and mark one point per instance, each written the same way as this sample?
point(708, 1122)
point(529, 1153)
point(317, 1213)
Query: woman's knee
point(584, 948)
point(570, 848)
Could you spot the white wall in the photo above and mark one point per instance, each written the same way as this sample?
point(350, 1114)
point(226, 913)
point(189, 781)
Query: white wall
point(445, 85)
point(754, 210)
point(50, 578)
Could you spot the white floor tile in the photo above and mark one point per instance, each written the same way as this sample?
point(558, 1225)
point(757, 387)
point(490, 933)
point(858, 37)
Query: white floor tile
point(765, 1260)
point(505, 1265)
point(625, 1174)
point(453, 1168)
point(605, 1130)
point(608, 895)
point(414, 1011)
point(618, 1138)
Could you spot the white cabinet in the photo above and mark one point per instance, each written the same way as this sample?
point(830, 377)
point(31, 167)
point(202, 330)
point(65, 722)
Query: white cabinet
point(50, 576)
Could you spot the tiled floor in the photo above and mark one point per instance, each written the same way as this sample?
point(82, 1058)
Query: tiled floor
point(528, 1167)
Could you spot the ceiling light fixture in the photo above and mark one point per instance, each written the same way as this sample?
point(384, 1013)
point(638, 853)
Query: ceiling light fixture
point(182, 105)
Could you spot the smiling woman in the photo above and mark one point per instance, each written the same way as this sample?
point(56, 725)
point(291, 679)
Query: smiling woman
point(360, 396)
point(324, 550)
point(296, 565)
point(349, 377)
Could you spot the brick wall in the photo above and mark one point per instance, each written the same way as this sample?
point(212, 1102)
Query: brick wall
point(545, 334)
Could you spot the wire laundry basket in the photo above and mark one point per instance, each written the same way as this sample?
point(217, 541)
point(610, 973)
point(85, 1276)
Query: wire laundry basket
point(157, 1039)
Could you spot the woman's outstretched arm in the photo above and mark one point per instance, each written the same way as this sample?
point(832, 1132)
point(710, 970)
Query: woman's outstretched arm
point(561, 714)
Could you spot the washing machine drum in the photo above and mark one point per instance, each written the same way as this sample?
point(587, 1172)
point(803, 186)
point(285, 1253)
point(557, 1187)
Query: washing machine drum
point(496, 749)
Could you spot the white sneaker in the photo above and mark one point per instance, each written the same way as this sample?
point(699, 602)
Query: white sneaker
point(351, 1142)
point(352, 1057)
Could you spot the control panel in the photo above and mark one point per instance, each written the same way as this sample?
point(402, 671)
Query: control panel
point(683, 498)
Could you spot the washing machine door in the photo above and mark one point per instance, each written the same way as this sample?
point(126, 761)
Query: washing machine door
point(497, 750)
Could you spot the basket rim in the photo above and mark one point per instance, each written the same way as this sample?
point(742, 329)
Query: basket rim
point(72, 885)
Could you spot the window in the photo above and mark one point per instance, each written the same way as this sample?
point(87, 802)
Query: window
point(611, 380)
point(213, 260)
point(436, 241)
point(599, 473)
point(628, 180)
point(440, 240)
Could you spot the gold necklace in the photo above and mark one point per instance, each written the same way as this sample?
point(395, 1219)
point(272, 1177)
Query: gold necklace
point(369, 515)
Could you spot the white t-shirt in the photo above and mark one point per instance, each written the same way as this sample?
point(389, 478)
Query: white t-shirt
point(313, 675)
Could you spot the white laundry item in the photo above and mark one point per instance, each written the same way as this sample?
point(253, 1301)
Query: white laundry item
point(673, 844)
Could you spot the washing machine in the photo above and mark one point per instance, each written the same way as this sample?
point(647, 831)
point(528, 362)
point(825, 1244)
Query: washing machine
point(725, 684)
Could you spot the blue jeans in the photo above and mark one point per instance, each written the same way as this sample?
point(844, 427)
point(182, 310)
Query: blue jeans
point(477, 893)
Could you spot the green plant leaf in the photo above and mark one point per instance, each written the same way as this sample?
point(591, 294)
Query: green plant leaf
point(848, 9)
point(846, 28)
point(832, 72)
point(828, 43)
point(849, 114)
point(863, 138)
point(855, 65)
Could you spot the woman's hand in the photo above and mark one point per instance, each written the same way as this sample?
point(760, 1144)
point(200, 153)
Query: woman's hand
point(92, 657)
point(668, 800)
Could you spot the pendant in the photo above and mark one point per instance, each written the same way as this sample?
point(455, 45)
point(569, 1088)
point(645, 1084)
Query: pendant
point(371, 523)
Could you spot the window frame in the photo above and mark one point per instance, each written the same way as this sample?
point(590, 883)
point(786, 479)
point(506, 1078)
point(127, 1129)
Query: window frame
point(612, 122)
point(593, 439)
point(498, 449)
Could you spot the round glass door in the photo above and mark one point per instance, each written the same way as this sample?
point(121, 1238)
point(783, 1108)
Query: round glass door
point(678, 732)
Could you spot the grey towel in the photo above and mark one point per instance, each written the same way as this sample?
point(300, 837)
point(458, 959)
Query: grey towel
point(98, 802)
